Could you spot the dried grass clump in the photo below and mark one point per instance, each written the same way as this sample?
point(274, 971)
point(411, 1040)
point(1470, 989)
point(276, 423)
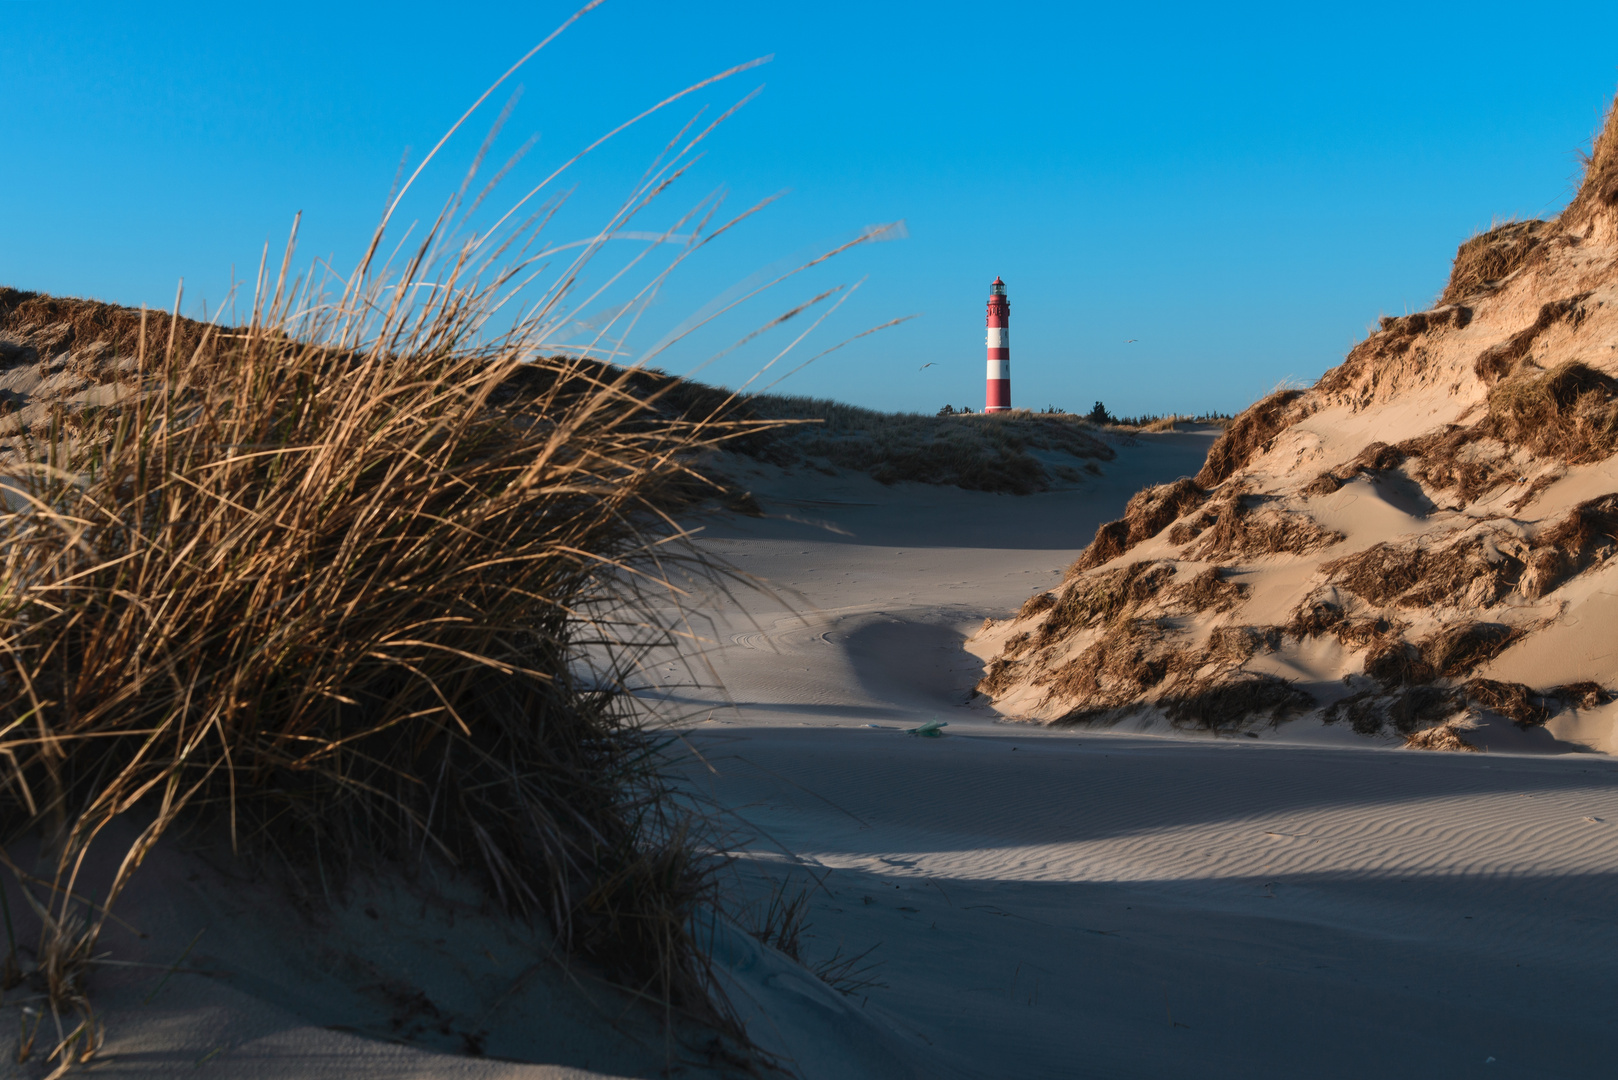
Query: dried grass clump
point(1451, 652)
point(1484, 260)
point(1235, 645)
point(1035, 604)
point(1588, 529)
point(47, 327)
point(1407, 710)
point(1395, 662)
point(1581, 695)
point(1586, 535)
point(1418, 575)
point(1416, 706)
point(1456, 650)
point(1379, 573)
point(1018, 644)
point(1115, 670)
point(1359, 633)
point(1514, 701)
point(1390, 354)
point(1569, 413)
point(1500, 359)
point(1314, 617)
point(1463, 458)
point(1445, 737)
point(329, 582)
point(1002, 674)
point(1377, 457)
point(1237, 702)
point(1209, 591)
point(1148, 513)
point(1101, 598)
point(1249, 435)
point(1243, 526)
point(1598, 189)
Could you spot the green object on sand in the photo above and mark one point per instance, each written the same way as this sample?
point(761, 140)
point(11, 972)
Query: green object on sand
point(932, 729)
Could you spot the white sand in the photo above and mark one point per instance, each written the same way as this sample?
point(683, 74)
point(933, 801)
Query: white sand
point(1068, 904)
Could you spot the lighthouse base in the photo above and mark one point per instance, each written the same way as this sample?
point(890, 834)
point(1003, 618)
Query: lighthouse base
point(997, 398)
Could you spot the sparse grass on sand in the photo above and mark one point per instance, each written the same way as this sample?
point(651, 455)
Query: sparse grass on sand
point(976, 451)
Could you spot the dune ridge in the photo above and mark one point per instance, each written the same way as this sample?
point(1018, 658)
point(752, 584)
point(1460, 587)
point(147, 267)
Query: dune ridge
point(1418, 547)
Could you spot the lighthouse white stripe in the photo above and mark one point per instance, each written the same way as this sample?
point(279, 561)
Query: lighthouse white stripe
point(999, 337)
point(999, 369)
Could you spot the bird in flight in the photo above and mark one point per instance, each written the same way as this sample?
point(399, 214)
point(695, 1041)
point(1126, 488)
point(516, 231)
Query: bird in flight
point(1131, 341)
point(924, 367)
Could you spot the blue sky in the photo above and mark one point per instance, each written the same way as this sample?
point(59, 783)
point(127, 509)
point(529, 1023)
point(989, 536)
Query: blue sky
point(1242, 188)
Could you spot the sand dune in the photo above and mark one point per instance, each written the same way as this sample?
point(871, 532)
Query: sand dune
point(1050, 903)
point(1418, 548)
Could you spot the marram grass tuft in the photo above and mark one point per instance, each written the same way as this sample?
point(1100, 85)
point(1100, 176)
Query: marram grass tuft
point(361, 583)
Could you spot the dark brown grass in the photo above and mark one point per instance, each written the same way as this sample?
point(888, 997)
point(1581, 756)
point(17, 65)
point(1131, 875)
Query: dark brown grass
point(1378, 457)
point(1420, 576)
point(1581, 695)
point(1483, 261)
point(1394, 663)
point(1149, 512)
point(1128, 660)
point(1245, 527)
point(1456, 650)
point(1444, 737)
point(1209, 591)
point(1407, 709)
point(1237, 702)
point(1512, 700)
point(1395, 350)
point(1587, 534)
point(1465, 459)
point(1100, 598)
point(1249, 435)
point(1500, 359)
point(1035, 604)
point(1567, 414)
point(1237, 644)
point(1314, 617)
point(1598, 188)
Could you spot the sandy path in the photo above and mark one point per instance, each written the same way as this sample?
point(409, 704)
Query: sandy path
point(1058, 904)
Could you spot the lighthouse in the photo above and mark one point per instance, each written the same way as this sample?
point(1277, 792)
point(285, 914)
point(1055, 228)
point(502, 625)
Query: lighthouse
point(997, 395)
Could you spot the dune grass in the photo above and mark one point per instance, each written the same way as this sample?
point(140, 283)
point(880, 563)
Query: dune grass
point(361, 584)
point(976, 451)
point(349, 587)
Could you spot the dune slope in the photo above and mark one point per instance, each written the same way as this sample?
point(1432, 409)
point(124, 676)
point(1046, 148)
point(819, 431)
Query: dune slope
point(1418, 547)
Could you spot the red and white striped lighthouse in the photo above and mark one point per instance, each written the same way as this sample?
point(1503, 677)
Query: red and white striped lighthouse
point(997, 397)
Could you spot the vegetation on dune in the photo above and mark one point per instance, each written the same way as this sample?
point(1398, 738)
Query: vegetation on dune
point(366, 586)
point(1523, 315)
point(976, 451)
point(360, 584)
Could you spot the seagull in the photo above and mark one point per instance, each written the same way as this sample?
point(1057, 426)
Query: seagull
point(1131, 341)
point(924, 367)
